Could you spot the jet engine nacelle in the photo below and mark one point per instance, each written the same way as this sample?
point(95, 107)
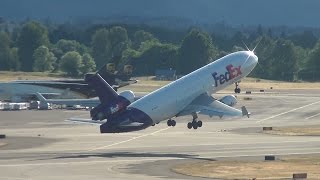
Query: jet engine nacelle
point(229, 100)
point(103, 111)
point(129, 95)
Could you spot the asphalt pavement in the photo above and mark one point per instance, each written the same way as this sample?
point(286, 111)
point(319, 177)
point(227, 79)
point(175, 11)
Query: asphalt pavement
point(42, 145)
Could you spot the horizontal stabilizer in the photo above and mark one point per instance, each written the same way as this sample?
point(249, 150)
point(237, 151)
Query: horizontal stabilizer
point(245, 111)
point(85, 121)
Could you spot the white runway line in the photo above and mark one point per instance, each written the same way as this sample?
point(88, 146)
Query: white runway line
point(257, 155)
point(85, 162)
point(121, 142)
point(225, 144)
point(253, 150)
point(288, 111)
point(312, 116)
point(148, 159)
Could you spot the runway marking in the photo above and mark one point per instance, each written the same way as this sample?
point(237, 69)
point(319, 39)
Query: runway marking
point(270, 149)
point(141, 160)
point(312, 116)
point(263, 154)
point(224, 144)
point(86, 162)
point(131, 139)
point(288, 111)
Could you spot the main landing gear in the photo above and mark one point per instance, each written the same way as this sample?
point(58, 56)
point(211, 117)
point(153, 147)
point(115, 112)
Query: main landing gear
point(194, 124)
point(237, 89)
point(171, 122)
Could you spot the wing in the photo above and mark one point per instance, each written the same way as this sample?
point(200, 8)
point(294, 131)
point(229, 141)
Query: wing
point(207, 105)
point(89, 121)
point(85, 121)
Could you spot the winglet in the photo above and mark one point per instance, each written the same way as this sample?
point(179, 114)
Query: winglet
point(245, 111)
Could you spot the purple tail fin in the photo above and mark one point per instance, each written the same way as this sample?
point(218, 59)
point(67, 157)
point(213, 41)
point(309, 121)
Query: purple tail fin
point(111, 102)
point(104, 91)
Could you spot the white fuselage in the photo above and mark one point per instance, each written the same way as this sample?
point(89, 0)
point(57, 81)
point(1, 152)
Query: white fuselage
point(171, 99)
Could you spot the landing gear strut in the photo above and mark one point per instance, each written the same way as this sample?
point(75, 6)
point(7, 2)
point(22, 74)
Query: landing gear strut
point(194, 124)
point(237, 89)
point(171, 122)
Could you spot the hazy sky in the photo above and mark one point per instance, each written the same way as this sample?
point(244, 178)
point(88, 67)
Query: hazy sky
point(267, 12)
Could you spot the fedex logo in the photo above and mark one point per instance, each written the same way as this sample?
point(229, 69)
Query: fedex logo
point(116, 108)
point(231, 73)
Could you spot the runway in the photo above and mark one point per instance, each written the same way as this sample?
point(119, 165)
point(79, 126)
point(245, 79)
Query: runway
point(42, 145)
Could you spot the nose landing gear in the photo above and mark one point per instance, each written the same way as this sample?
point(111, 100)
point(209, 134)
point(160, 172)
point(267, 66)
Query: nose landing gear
point(237, 89)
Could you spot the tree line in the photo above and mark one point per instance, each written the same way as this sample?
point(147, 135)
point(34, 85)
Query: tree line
point(34, 46)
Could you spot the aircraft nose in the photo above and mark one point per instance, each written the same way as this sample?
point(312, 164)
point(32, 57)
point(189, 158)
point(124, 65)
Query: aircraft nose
point(255, 58)
point(251, 61)
point(252, 58)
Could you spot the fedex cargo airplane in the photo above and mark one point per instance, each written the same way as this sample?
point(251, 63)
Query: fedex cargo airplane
point(189, 95)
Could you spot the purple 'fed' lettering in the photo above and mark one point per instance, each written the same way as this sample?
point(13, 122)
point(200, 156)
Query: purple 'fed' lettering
point(231, 73)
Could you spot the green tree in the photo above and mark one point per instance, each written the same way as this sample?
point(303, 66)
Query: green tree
point(32, 35)
point(100, 45)
point(71, 45)
point(306, 39)
point(196, 51)
point(107, 44)
point(238, 38)
point(270, 33)
point(264, 48)
point(119, 41)
point(8, 56)
point(71, 63)
point(284, 61)
point(5, 54)
point(158, 56)
point(141, 36)
point(43, 59)
point(88, 64)
point(302, 55)
point(312, 68)
point(14, 63)
point(127, 56)
point(148, 44)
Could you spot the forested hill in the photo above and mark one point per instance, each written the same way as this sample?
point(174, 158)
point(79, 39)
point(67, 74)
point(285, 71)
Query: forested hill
point(234, 12)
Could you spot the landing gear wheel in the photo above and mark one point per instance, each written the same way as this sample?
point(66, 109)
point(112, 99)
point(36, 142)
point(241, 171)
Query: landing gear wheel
point(171, 123)
point(237, 89)
point(199, 123)
point(195, 125)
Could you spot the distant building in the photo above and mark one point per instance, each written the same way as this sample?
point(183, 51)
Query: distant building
point(166, 74)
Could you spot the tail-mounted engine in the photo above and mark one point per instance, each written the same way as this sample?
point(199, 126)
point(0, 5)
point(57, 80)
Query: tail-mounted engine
point(103, 111)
